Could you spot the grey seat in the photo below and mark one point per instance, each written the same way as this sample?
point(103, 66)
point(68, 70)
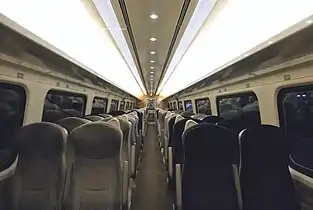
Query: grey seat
point(107, 119)
point(105, 115)
point(93, 118)
point(70, 123)
point(96, 174)
point(38, 182)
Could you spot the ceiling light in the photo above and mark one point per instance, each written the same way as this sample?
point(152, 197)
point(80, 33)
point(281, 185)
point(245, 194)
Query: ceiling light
point(151, 67)
point(152, 72)
point(152, 52)
point(152, 61)
point(153, 16)
point(153, 39)
point(270, 42)
point(309, 21)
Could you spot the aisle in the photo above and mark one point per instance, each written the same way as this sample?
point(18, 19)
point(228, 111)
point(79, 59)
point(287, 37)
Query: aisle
point(151, 192)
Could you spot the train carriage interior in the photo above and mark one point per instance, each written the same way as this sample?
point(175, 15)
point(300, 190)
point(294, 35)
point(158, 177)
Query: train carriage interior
point(156, 104)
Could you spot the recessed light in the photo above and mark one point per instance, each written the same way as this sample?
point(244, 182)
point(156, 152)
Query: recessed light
point(151, 67)
point(152, 72)
point(153, 39)
point(152, 61)
point(309, 21)
point(154, 16)
point(152, 52)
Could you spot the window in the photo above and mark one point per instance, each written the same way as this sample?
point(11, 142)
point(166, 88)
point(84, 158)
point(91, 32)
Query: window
point(59, 105)
point(180, 106)
point(127, 105)
point(122, 105)
point(243, 106)
point(114, 105)
point(99, 105)
point(188, 106)
point(203, 106)
point(295, 106)
point(170, 105)
point(174, 105)
point(12, 108)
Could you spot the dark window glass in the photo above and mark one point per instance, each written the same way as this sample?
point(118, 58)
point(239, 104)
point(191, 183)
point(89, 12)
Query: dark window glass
point(188, 105)
point(239, 105)
point(175, 105)
point(180, 105)
point(59, 105)
point(99, 105)
point(295, 106)
point(203, 106)
point(122, 105)
point(114, 105)
point(12, 108)
point(127, 105)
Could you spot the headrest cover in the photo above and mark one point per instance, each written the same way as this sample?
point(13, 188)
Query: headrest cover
point(96, 140)
point(115, 122)
point(179, 118)
point(189, 124)
point(70, 123)
point(43, 139)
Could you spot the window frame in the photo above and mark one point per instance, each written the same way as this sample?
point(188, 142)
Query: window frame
point(106, 103)
point(199, 99)
point(185, 102)
point(218, 98)
point(69, 93)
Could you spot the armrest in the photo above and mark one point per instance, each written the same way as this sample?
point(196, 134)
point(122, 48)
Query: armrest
point(133, 160)
point(9, 171)
point(178, 189)
point(237, 184)
point(125, 183)
point(170, 162)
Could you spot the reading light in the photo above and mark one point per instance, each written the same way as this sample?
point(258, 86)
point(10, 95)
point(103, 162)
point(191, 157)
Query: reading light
point(154, 16)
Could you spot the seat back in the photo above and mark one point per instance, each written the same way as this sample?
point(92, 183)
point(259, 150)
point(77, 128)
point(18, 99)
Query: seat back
point(126, 128)
point(106, 119)
point(212, 119)
point(187, 114)
point(171, 123)
point(265, 179)
point(96, 173)
point(93, 118)
point(208, 178)
point(117, 113)
point(105, 115)
point(189, 124)
point(38, 182)
point(70, 123)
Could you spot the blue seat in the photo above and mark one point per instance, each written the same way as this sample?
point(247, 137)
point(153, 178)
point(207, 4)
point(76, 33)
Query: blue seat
point(265, 179)
point(208, 172)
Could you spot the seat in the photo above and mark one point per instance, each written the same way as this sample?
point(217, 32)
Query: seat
point(265, 179)
point(70, 123)
point(38, 182)
point(96, 178)
point(93, 118)
point(107, 119)
point(117, 113)
point(212, 119)
point(54, 115)
point(199, 116)
point(187, 114)
point(208, 173)
point(105, 115)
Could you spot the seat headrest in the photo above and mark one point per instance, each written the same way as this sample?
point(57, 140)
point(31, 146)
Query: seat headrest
point(93, 118)
point(115, 122)
point(96, 140)
point(189, 124)
point(106, 119)
point(179, 118)
point(70, 123)
point(105, 115)
point(187, 114)
point(43, 139)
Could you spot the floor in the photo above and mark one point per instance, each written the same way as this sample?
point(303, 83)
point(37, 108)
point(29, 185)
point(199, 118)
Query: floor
point(151, 190)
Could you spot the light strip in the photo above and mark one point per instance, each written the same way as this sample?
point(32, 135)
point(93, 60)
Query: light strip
point(77, 35)
point(108, 15)
point(233, 30)
point(200, 13)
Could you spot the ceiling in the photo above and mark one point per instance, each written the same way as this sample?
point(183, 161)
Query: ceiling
point(168, 28)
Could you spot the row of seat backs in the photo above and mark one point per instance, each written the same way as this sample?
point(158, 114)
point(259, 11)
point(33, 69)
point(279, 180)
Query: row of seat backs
point(209, 158)
point(87, 151)
point(38, 182)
